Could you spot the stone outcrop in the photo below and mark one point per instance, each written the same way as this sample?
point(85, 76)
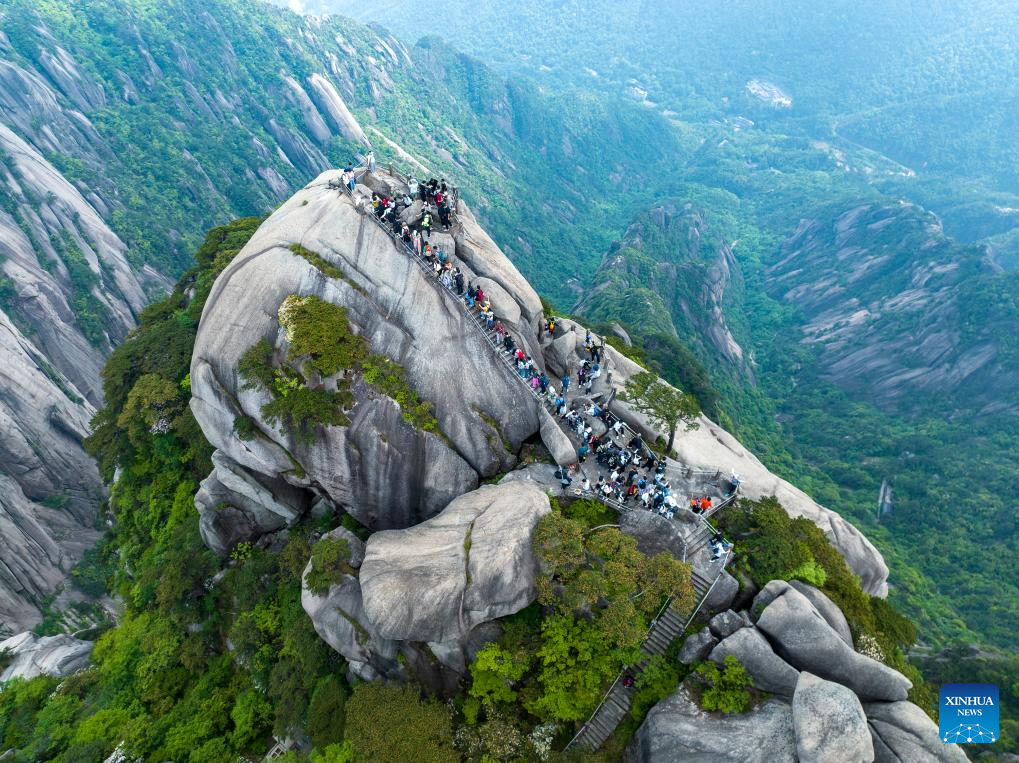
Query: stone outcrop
point(470, 564)
point(696, 647)
point(676, 729)
point(32, 655)
point(767, 670)
point(387, 473)
point(902, 732)
point(423, 601)
point(820, 711)
point(829, 723)
point(339, 618)
point(879, 289)
point(725, 623)
point(236, 505)
point(826, 608)
point(801, 636)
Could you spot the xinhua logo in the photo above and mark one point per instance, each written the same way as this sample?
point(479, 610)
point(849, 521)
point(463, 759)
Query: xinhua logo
point(968, 713)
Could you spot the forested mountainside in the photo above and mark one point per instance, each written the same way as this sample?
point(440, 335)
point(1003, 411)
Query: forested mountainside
point(309, 572)
point(888, 77)
point(126, 131)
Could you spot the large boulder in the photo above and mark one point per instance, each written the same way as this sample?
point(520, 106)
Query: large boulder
point(677, 730)
point(32, 655)
point(696, 647)
point(383, 470)
point(556, 440)
point(802, 637)
point(829, 723)
point(722, 594)
point(827, 609)
point(236, 505)
point(470, 564)
point(725, 623)
point(339, 619)
point(902, 733)
point(767, 670)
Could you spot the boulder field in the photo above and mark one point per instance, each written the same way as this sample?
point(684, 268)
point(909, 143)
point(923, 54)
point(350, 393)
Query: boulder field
point(826, 702)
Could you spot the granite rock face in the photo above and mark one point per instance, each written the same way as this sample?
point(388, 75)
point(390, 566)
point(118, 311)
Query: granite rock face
point(385, 472)
point(767, 670)
point(902, 732)
point(50, 489)
point(802, 637)
point(470, 564)
point(677, 730)
point(236, 505)
point(33, 655)
point(711, 447)
point(829, 723)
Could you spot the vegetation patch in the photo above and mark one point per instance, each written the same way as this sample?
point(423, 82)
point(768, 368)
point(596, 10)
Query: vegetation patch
point(390, 378)
point(722, 689)
point(596, 596)
point(330, 561)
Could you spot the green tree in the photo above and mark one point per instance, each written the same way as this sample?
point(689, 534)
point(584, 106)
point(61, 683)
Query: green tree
point(665, 406)
point(494, 672)
point(326, 712)
point(392, 724)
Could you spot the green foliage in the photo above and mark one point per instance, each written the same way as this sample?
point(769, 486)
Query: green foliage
point(599, 592)
point(393, 723)
point(664, 406)
point(317, 260)
point(724, 689)
point(326, 713)
point(658, 680)
point(330, 561)
point(165, 682)
point(245, 428)
point(494, 673)
point(587, 511)
point(390, 378)
point(320, 336)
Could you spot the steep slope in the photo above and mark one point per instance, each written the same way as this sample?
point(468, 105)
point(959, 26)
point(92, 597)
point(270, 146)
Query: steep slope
point(67, 295)
point(671, 273)
point(881, 351)
point(214, 652)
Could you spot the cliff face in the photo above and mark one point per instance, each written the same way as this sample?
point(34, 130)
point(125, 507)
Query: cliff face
point(67, 295)
point(671, 273)
point(900, 313)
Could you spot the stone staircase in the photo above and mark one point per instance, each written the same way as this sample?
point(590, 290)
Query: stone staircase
point(668, 626)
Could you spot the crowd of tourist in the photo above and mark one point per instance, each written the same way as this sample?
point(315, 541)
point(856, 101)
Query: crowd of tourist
point(628, 471)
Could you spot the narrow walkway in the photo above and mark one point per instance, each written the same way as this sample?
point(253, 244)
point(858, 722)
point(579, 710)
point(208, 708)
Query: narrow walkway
point(668, 626)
